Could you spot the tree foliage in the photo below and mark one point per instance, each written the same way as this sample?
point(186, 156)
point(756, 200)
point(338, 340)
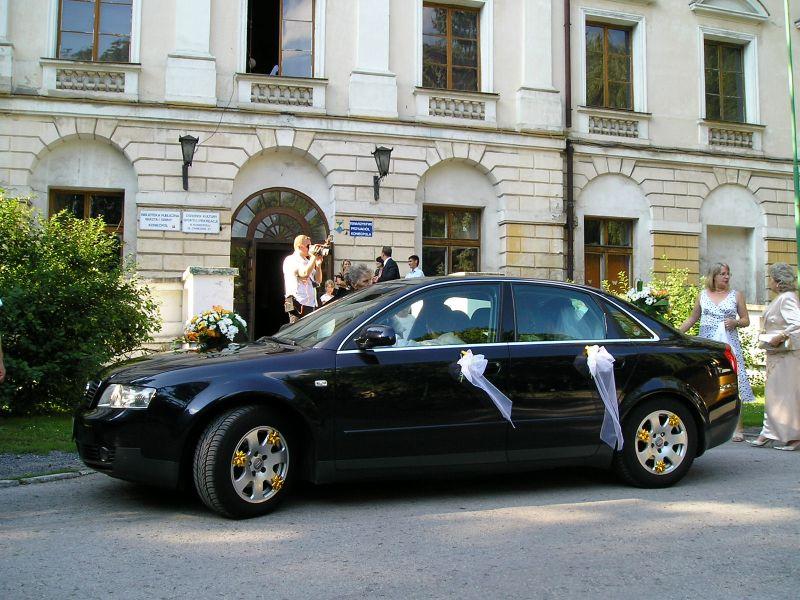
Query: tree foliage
point(69, 306)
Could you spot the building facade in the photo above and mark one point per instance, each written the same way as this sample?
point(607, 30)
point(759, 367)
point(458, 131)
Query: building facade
point(665, 135)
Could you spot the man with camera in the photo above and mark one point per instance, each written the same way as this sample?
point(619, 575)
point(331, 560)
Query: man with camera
point(302, 272)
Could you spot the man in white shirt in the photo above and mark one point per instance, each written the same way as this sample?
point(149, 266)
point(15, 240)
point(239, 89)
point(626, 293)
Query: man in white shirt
point(300, 270)
point(413, 262)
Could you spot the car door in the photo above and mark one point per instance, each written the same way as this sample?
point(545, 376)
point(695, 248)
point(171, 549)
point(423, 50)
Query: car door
point(406, 405)
point(557, 410)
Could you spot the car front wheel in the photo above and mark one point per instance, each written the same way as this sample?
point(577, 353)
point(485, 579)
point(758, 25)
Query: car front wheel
point(242, 462)
point(660, 444)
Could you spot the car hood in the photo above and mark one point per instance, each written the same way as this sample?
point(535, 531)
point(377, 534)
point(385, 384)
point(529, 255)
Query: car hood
point(144, 367)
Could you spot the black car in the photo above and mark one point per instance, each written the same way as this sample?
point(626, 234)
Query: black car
point(369, 386)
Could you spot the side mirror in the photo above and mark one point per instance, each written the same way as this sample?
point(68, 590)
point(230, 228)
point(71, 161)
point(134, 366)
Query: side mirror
point(374, 336)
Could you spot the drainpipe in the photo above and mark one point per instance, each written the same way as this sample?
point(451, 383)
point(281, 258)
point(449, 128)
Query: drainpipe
point(569, 150)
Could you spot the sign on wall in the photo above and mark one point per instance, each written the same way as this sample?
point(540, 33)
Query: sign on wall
point(160, 220)
point(361, 228)
point(201, 222)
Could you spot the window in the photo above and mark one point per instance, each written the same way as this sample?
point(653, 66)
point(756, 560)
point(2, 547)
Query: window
point(450, 48)
point(108, 206)
point(453, 315)
point(724, 77)
point(451, 240)
point(95, 30)
point(552, 314)
point(609, 67)
point(607, 251)
point(624, 327)
point(280, 37)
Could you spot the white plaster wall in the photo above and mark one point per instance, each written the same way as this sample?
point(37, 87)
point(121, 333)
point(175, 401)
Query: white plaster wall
point(282, 169)
point(28, 31)
point(733, 233)
point(616, 196)
point(456, 183)
point(87, 164)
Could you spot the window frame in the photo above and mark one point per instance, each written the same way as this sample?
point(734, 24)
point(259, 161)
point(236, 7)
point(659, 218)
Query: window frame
point(606, 95)
point(449, 45)
point(450, 242)
point(118, 229)
point(54, 33)
point(604, 249)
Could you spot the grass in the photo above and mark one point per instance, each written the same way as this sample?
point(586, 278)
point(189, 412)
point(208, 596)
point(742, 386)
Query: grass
point(36, 435)
point(753, 412)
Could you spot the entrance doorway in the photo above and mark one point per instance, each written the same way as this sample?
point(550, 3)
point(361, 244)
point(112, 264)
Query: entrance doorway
point(262, 232)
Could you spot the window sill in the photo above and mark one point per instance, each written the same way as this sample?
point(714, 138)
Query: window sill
point(729, 135)
point(456, 107)
point(285, 94)
point(610, 123)
point(89, 79)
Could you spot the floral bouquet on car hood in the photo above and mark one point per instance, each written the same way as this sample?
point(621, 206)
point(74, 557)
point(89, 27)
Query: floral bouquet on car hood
point(213, 329)
point(653, 301)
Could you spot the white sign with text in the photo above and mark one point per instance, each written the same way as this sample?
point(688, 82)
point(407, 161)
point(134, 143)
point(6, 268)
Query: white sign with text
point(160, 220)
point(201, 222)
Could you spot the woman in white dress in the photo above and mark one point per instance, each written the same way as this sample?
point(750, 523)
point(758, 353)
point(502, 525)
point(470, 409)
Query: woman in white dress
point(721, 312)
point(781, 332)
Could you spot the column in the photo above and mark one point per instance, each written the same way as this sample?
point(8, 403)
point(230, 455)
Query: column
point(191, 69)
point(6, 50)
point(538, 102)
point(373, 88)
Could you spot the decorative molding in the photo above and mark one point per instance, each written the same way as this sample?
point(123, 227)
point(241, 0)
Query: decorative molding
point(734, 136)
point(616, 127)
point(613, 123)
point(456, 107)
point(295, 94)
point(748, 10)
point(110, 81)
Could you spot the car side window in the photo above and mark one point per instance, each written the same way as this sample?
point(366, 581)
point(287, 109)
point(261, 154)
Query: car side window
point(446, 315)
point(626, 328)
point(548, 314)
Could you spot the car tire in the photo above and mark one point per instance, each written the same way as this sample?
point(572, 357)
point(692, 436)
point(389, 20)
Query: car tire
point(660, 443)
point(242, 462)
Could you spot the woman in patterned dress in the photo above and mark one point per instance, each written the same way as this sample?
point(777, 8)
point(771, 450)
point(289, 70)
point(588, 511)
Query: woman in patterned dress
point(717, 304)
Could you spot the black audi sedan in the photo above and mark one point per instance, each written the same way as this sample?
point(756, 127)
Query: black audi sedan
point(369, 387)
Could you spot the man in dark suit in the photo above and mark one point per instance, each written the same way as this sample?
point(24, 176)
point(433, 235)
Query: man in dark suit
point(390, 269)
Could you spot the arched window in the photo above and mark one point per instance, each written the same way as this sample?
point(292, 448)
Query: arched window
point(278, 215)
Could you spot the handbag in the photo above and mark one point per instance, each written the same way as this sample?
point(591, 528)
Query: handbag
point(764, 340)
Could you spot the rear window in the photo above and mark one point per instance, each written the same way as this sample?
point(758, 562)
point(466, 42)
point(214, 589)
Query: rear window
point(622, 326)
point(552, 314)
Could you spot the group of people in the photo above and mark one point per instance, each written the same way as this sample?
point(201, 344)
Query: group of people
point(722, 310)
point(302, 275)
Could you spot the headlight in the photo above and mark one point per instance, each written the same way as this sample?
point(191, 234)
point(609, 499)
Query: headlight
point(126, 396)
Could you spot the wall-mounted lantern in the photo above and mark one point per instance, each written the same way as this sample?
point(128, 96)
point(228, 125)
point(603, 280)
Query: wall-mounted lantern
point(188, 145)
point(382, 156)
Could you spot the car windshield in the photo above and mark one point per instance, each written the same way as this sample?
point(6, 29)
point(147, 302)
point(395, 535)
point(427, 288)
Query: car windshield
point(323, 323)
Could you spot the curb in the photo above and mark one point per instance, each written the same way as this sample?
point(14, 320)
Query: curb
point(4, 483)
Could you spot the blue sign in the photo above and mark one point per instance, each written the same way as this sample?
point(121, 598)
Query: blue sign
point(360, 228)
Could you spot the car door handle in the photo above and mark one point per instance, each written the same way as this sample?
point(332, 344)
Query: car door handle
point(493, 368)
point(619, 362)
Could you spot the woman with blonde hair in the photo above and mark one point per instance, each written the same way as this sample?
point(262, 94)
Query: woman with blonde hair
point(781, 337)
point(721, 312)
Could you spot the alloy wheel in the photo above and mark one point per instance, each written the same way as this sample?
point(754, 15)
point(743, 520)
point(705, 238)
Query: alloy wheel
point(259, 464)
point(661, 442)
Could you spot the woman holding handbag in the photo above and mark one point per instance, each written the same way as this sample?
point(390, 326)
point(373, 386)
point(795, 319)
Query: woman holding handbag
point(721, 312)
point(781, 338)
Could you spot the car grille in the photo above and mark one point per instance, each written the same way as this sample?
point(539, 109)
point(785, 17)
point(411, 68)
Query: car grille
point(100, 456)
point(91, 391)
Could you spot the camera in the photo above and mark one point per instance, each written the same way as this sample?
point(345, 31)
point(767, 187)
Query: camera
point(323, 248)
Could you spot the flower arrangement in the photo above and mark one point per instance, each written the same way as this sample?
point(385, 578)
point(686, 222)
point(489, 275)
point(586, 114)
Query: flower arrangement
point(653, 301)
point(213, 329)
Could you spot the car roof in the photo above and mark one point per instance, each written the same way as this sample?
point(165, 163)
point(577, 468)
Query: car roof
point(484, 276)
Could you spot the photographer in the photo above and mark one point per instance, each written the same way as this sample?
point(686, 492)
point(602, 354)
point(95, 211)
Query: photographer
point(302, 272)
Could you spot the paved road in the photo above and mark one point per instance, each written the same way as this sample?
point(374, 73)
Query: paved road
point(730, 530)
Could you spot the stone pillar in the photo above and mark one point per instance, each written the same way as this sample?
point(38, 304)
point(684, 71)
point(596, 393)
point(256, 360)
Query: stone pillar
point(538, 102)
point(205, 287)
point(6, 50)
point(191, 69)
point(373, 88)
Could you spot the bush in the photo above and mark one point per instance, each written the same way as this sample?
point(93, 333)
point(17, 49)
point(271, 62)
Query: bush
point(69, 307)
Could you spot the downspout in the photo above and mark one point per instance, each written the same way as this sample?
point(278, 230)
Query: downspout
point(569, 150)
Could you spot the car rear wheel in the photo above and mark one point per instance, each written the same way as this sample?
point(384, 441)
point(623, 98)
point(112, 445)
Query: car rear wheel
point(660, 444)
point(242, 462)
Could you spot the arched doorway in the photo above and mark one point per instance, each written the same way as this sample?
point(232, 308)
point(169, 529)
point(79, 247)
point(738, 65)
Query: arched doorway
point(262, 231)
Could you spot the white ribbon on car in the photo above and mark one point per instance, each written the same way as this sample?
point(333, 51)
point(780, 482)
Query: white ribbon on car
point(472, 368)
point(601, 366)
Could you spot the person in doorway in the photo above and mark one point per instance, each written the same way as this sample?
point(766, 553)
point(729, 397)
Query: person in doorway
point(301, 270)
point(781, 335)
point(390, 269)
point(330, 293)
point(721, 312)
point(413, 264)
point(360, 277)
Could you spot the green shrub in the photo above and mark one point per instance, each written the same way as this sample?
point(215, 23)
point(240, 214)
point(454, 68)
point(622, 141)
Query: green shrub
point(69, 307)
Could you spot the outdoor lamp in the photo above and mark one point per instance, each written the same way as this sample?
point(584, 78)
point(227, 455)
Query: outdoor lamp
point(188, 144)
point(382, 156)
